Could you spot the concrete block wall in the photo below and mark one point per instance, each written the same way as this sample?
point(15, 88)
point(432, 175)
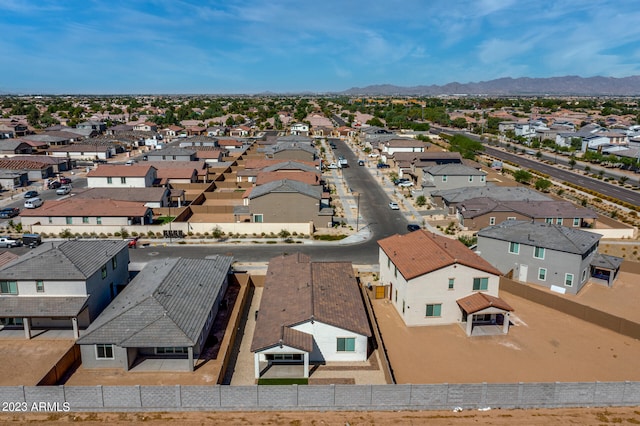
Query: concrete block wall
point(328, 397)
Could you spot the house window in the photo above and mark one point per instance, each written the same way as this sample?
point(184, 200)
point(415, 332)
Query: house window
point(576, 221)
point(98, 220)
point(50, 220)
point(511, 218)
point(584, 275)
point(164, 157)
point(346, 344)
point(172, 350)
point(395, 271)
point(174, 157)
point(114, 263)
point(40, 286)
point(388, 262)
point(104, 271)
point(542, 274)
point(538, 252)
point(514, 248)
point(482, 178)
point(434, 310)
point(470, 178)
point(123, 179)
point(396, 296)
point(480, 283)
point(549, 220)
point(492, 221)
point(568, 280)
point(69, 220)
point(444, 178)
point(85, 219)
point(559, 221)
point(257, 218)
point(104, 351)
point(451, 282)
point(8, 287)
point(109, 180)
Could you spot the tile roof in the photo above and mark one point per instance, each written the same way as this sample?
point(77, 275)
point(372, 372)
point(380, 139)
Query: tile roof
point(141, 195)
point(479, 301)
point(42, 306)
point(405, 143)
point(6, 257)
point(171, 151)
point(63, 260)
point(453, 169)
point(282, 186)
point(291, 165)
point(606, 261)
point(264, 162)
point(540, 234)
point(420, 252)
point(304, 177)
point(166, 304)
point(499, 193)
point(534, 209)
point(297, 290)
point(120, 170)
point(76, 207)
point(16, 163)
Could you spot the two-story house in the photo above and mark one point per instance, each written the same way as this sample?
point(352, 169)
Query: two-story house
point(62, 284)
point(550, 255)
point(449, 176)
point(301, 129)
point(113, 176)
point(433, 280)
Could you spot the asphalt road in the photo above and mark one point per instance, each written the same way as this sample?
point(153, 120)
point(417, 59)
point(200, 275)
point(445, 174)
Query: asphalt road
point(564, 175)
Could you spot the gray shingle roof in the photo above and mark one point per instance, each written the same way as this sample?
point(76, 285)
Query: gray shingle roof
point(606, 261)
point(290, 165)
point(500, 193)
point(166, 304)
point(286, 185)
point(552, 237)
point(63, 260)
point(42, 306)
point(453, 169)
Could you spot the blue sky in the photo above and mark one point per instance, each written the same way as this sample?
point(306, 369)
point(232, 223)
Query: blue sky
point(254, 46)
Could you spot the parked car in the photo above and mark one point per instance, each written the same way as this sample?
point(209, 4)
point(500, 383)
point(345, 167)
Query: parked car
point(360, 162)
point(332, 145)
point(7, 242)
point(30, 194)
point(394, 206)
point(333, 166)
point(55, 184)
point(374, 155)
point(9, 212)
point(383, 166)
point(33, 203)
point(131, 162)
point(133, 242)
point(63, 190)
point(65, 180)
point(413, 227)
point(405, 184)
point(31, 240)
point(399, 181)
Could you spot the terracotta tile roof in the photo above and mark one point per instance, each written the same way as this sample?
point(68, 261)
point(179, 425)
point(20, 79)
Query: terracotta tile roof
point(262, 163)
point(118, 170)
point(209, 153)
point(478, 301)
point(75, 207)
point(297, 290)
point(6, 257)
point(420, 252)
point(17, 164)
point(305, 177)
point(176, 173)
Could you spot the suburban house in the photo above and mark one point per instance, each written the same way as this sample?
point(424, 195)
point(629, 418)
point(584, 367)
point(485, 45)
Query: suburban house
point(145, 127)
point(450, 198)
point(551, 255)
point(169, 175)
point(434, 280)
point(393, 146)
point(478, 213)
point(11, 147)
point(77, 211)
point(6, 132)
point(12, 179)
point(252, 168)
point(291, 151)
point(301, 129)
point(230, 144)
point(310, 312)
point(449, 176)
point(150, 197)
point(240, 131)
point(35, 169)
point(166, 312)
point(272, 202)
point(112, 176)
point(413, 163)
point(98, 126)
point(171, 131)
point(172, 154)
point(84, 151)
point(62, 284)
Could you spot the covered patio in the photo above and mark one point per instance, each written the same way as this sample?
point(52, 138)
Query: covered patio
point(605, 268)
point(484, 315)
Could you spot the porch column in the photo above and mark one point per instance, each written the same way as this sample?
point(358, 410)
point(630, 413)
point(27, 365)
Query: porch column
point(26, 324)
point(256, 365)
point(505, 323)
point(306, 365)
point(74, 324)
point(190, 356)
point(469, 324)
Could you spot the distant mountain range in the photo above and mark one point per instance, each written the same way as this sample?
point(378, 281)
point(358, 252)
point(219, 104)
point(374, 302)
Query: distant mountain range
point(565, 86)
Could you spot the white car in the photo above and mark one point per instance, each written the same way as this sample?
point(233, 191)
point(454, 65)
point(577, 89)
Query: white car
point(374, 155)
point(63, 190)
point(405, 184)
point(333, 166)
point(394, 206)
point(33, 203)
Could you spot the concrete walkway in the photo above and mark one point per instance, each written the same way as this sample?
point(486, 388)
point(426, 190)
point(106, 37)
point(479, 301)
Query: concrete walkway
point(244, 373)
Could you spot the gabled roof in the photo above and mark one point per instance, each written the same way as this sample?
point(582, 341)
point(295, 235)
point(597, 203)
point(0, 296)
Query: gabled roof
point(606, 261)
point(546, 235)
point(42, 306)
point(76, 207)
point(141, 195)
point(405, 143)
point(171, 151)
point(291, 165)
point(534, 209)
point(63, 260)
point(166, 304)
point(285, 186)
point(296, 175)
point(261, 163)
point(421, 252)
point(297, 290)
point(453, 169)
point(499, 193)
point(479, 301)
point(119, 170)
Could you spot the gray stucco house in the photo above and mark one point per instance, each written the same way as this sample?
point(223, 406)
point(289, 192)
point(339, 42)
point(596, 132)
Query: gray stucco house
point(561, 258)
point(172, 154)
point(166, 312)
point(450, 176)
point(62, 284)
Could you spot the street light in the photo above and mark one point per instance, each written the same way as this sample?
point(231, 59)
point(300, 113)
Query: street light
point(358, 212)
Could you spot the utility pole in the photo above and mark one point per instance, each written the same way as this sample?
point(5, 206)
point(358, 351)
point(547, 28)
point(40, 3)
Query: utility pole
point(358, 213)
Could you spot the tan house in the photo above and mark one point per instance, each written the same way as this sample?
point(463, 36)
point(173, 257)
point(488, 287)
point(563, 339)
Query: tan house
point(112, 176)
point(478, 213)
point(273, 201)
point(145, 127)
point(433, 280)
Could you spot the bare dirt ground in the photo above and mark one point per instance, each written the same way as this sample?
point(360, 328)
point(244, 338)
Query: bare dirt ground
point(25, 362)
point(578, 416)
point(544, 345)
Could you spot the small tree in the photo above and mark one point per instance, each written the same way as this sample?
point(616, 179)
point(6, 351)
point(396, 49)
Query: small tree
point(124, 233)
point(543, 185)
point(522, 176)
point(284, 233)
point(217, 232)
point(572, 163)
point(421, 201)
point(66, 233)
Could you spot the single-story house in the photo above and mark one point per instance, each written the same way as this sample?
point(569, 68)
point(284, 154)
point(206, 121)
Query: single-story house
point(117, 175)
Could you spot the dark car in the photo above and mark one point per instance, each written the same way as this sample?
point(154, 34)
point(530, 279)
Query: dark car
point(30, 194)
point(413, 227)
point(360, 162)
point(65, 180)
point(55, 185)
point(9, 212)
point(383, 166)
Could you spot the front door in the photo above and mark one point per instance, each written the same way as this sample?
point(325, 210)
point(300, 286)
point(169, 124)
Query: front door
point(523, 271)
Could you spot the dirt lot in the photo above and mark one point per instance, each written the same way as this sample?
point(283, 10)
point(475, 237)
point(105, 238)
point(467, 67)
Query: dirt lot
point(25, 362)
point(543, 346)
point(586, 416)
